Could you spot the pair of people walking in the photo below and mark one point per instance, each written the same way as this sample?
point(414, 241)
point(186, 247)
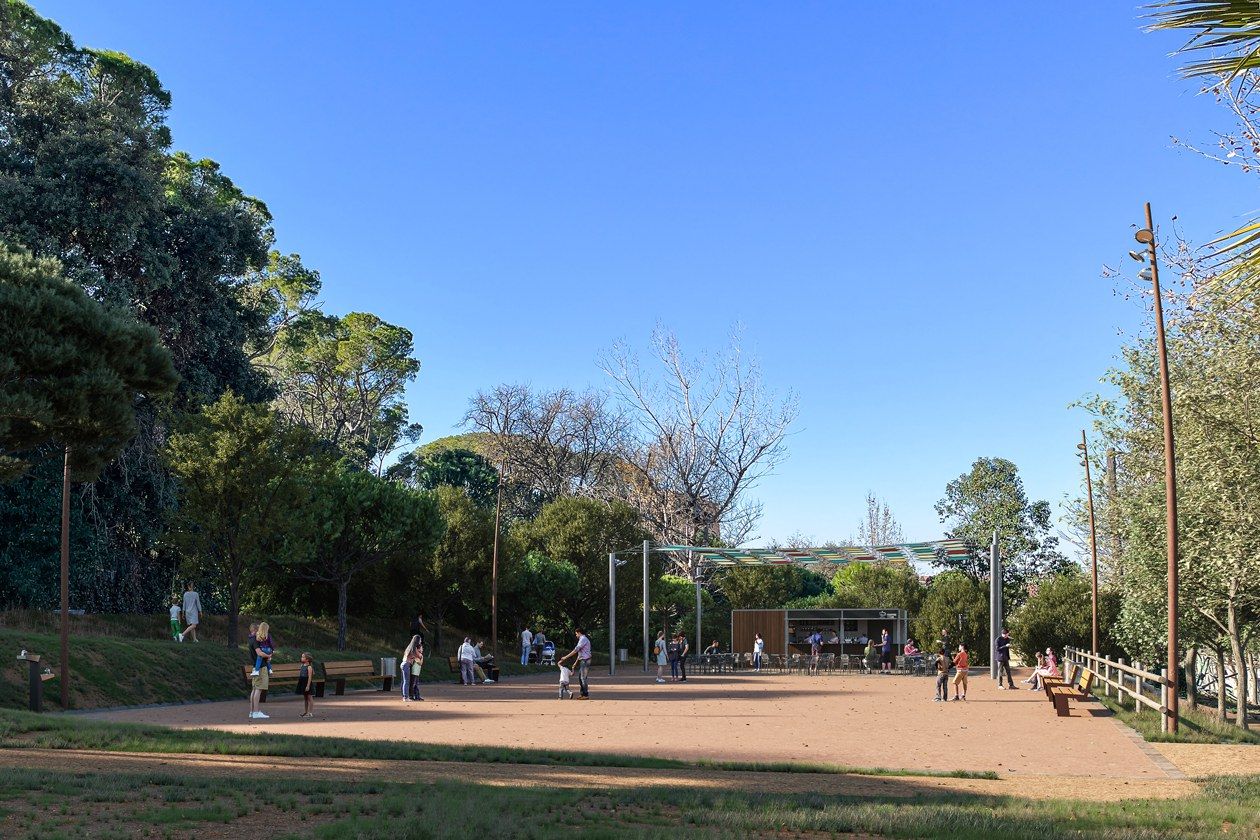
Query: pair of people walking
point(962, 664)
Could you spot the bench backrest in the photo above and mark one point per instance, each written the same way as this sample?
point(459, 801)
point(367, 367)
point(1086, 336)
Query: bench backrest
point(284, 671)
point(1073, 674)
point(1086, 683)
point(349, 668)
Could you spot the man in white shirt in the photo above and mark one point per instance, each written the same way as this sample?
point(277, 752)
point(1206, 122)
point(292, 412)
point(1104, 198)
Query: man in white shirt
point(582, 655)
point(467, 658)
point(527, 641)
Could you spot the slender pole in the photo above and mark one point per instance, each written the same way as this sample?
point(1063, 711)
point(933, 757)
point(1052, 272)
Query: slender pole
point(1093, 547)
point(995, 618)
point(647, 630)
point(494, 567)
point(698, 608)
point(1170, 479)
point(612, 614)
point(65, 583)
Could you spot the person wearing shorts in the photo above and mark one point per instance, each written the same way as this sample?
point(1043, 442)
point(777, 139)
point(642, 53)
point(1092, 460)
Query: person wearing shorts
point(259, 682)
point(960, 676)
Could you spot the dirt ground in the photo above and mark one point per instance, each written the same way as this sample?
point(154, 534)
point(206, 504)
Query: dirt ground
point(516, 775)
point(1212, 759)
point(857, 721)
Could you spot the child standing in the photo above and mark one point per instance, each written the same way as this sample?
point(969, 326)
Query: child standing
point(960, 676)
point(176, 635)
point(306, 684)
point(942, 678)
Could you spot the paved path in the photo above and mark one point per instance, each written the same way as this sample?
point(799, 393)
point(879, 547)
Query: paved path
point(516, 775)
point(856, 721)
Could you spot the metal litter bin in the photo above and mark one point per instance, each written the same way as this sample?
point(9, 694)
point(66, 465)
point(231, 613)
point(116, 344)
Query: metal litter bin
point(622, 655)
point(389, 666)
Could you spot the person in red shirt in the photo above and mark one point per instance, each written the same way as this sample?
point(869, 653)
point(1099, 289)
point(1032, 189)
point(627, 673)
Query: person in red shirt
point(960, 676)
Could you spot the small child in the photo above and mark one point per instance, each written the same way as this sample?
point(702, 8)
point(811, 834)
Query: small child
point(265, 646)
point(566, 673)
point(176, 634)
point(942, 678)
point(306, 684)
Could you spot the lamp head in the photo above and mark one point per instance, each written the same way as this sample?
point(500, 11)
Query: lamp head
point(1080, 446)
point(1145, 274)
point(1138, 256)
point(1144, 236)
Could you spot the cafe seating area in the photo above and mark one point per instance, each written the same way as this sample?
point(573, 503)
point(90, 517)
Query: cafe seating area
point(800, 663)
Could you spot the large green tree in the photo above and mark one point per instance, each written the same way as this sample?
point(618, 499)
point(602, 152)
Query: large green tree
point(990, 498)
point(956, 603)
point(428, 470)
point(244, 498)
point(876, 585)
point(71, 371)
point(358, 521)
point(767, 587)
point(1058, 614)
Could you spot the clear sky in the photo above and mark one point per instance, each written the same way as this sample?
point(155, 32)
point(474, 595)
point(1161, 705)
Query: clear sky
point(907, 209)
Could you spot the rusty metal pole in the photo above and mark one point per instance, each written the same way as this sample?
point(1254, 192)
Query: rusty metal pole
point(1093, 546)
point(1170, 472)
point(65, 583)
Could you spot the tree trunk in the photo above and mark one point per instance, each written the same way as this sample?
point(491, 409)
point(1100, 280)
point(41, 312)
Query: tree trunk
point(1192, 677)
point(1240, 665)
point(342, 588)
point(1220, 682)
point(234, 612)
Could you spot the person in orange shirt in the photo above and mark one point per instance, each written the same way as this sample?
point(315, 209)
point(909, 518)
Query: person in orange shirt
point(960, 676)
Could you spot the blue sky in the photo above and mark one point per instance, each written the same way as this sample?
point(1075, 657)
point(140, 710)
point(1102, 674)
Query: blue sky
point(906, 212)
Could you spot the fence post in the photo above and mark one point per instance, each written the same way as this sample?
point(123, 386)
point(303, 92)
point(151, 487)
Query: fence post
point(1106, 669)
point(1163, 699)
point(1120, 688)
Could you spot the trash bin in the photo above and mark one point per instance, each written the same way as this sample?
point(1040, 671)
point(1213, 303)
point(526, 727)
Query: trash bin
point(389, 666)
point(622, 654)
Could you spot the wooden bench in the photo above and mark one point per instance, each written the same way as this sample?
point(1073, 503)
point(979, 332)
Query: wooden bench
point(1060, 692)
point(491, 671)
point(354, 669)
point(284, 673)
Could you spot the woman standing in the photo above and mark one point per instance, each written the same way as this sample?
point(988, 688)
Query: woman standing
point(412, 663)
point(759, 647)
point(661, 657)
point(885, 652)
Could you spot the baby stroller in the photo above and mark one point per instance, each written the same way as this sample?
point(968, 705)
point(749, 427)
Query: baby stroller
point(548, 654)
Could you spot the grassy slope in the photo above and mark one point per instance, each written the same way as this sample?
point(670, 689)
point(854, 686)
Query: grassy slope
point(126, 660)
point(1195, 727)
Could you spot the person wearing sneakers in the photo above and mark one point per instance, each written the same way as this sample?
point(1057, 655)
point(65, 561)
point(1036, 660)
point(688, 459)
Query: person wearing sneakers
point(1002, 647)
point(661, 656)
point(260, 681)
point(960, 675)
point(581, 655)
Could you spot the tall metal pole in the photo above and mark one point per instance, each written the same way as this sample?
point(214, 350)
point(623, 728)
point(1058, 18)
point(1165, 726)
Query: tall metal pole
point(612, 614)
point(494, 568)
point(1093, 546)
point(698, 608)
point(995, 607)
point(65, 583)
point(647, 630)
point(1170, 473)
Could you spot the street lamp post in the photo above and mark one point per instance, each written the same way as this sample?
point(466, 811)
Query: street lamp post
point(494, 568)
point(1146, 236)
point(1083, 448)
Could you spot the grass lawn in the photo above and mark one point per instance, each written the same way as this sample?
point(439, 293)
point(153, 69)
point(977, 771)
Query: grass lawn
point(37, 804)
point(1195, 727)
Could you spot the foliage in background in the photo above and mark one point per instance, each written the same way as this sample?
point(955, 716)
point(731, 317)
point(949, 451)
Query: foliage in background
point(950, 595)
point(427, 469)
point(1059, 615)
point(988, 498)
point(767, 587)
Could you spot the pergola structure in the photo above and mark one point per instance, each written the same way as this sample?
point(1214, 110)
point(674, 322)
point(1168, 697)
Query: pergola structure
point(714, 557)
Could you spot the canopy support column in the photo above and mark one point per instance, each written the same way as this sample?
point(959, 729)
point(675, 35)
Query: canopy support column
point(647, 630)
point(612, 614)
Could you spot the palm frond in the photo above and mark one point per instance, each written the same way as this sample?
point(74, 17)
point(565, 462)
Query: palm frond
point(1228, 27)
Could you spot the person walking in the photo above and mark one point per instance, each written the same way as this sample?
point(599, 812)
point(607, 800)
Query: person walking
point(960, 675)
point(815, 652)
point(260, 679)
point(759, 647)
point(192, 612)
point(527, 642)
point(176, 635)
point(683, 649)
point(467, 656)
point(885, 652)
point(662, 656)
point(1002, 646)
point(581, 655)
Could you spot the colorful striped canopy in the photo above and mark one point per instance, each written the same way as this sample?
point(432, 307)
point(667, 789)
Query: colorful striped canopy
point(925, 552)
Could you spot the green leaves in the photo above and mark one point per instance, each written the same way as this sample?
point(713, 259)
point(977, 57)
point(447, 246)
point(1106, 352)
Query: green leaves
point(71, 371)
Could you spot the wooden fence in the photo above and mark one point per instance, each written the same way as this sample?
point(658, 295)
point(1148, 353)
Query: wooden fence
point(1126, 682)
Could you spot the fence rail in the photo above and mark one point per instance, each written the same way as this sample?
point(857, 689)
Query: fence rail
point(1114, 675)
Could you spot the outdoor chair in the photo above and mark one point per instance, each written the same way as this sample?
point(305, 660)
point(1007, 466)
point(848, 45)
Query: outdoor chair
point(827, 663)
point(899, 664)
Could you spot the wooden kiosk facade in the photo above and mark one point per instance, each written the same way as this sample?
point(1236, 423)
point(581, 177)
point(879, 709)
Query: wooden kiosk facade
point(843, 631)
